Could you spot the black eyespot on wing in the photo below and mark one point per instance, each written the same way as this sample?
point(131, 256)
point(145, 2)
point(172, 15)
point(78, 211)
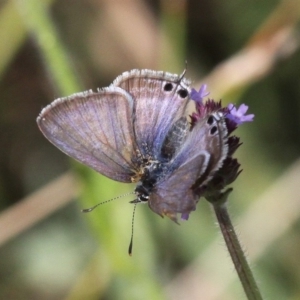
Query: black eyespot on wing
point(213, 130)
point(168, 87)
point(210, 120)
point(183, 93)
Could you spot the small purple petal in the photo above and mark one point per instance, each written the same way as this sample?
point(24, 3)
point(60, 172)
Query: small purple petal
point(185, 216)
point(243, 109)
point(198, 96)
point(239, 115)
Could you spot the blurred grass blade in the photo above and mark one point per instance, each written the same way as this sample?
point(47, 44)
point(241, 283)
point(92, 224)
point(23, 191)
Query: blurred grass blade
point(12, 34)
point(275, 40)
point(36, 206)
point(37, 19)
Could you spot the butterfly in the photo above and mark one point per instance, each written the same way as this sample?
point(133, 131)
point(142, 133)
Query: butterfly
point(137, 130)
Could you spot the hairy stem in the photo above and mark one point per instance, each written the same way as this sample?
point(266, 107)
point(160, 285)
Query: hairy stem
point(236, 252)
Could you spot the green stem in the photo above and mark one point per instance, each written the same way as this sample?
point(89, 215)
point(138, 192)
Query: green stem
point(236, 251)
point(38, 21)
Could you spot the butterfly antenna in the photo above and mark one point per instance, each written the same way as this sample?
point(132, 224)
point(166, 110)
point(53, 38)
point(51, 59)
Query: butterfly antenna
point(86, 210)
point(183, 73)
point(132, 225)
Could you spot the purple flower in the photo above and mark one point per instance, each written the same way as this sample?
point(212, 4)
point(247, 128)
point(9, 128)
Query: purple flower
point(185, 216)
point(239, 116)
point(198, 96)
point(214, 189)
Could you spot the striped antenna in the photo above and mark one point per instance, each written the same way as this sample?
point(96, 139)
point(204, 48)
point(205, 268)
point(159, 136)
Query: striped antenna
point(86, 210)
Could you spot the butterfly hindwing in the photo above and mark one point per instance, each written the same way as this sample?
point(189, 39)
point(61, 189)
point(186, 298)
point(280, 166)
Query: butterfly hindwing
point(174, 194)
point(201, 154)
point(209, 134)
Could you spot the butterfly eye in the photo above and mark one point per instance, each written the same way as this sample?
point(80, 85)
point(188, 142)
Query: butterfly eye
point(143, 197)
point(168, 87)
point(210, 120)
point(183, 93)
point(213, 130)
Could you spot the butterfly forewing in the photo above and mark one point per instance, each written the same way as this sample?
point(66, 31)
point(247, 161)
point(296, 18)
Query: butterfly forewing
point(160, 99)
point(95, 129)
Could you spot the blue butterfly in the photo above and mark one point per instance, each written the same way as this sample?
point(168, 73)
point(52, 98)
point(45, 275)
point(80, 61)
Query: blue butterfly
point(136, 130)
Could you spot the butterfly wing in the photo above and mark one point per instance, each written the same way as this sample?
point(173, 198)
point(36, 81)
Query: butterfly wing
point(95, 129)
point(209, 134)
point(175, 138)
point(201, 155)
point(160, 99)
point(174, 195)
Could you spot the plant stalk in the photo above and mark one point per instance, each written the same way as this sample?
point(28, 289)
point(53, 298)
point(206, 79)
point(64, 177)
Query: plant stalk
point(236, 252)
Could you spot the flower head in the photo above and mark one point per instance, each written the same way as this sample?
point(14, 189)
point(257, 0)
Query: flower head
point(228, 168)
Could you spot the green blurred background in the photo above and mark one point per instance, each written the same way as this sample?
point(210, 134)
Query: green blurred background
point(246, 51)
